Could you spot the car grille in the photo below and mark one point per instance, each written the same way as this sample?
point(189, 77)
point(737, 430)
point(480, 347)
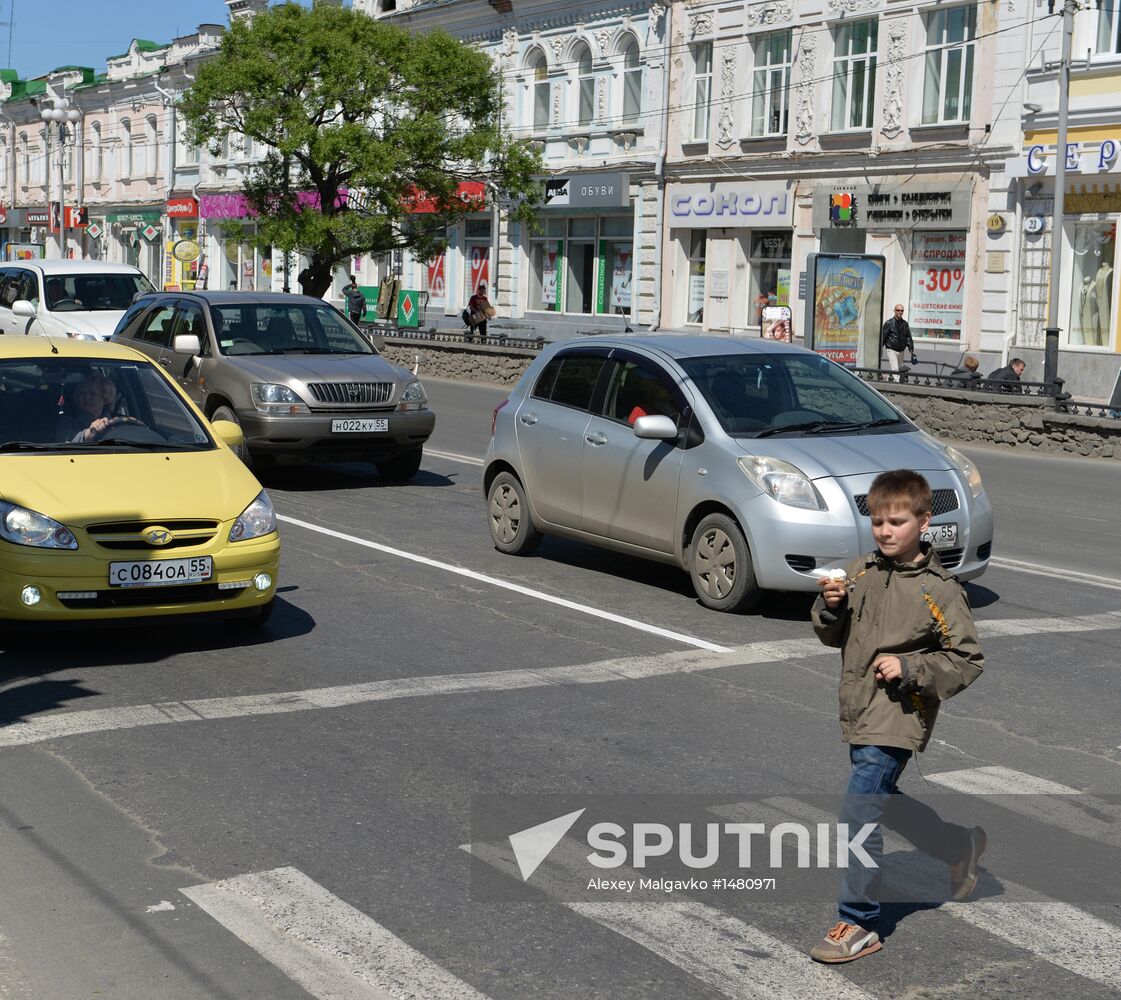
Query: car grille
point(147, 597)
point(130, 535)
point(356, 393)
point(950, 558)
point(944, 502)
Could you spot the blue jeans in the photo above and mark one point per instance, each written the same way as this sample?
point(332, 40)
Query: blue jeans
point(874, 797)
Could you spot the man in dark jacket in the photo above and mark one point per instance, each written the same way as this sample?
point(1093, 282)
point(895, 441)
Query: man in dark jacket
point(896, 339)
point(1009, 376)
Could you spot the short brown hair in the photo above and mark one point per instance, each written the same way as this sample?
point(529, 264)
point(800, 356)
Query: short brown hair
point(972, 364)
point(901, 487)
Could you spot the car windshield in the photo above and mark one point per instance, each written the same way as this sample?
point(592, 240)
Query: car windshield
point(760, 395)
point(282, 328)
point(92, 292)
point(59, 403)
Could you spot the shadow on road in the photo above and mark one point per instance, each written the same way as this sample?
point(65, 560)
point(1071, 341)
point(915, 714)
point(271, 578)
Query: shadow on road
point(980, 597)
point(349, 476)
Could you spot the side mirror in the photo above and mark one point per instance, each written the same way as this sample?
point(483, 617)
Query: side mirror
point(656, 428)
point(228, 433)
point(21, 307)
point(186, 343)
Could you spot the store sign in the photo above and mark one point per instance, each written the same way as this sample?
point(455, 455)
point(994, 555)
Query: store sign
point(94, 230)
point(133, 218)
point(38, 216)
point(883, 206)
point(843, 320)
point(588, 191)
point(730, 204)
point(408, 312)
point(150, 232)
point(24, 251)
point(186, 251)
point(473, 194)
point(1098, 157)
point(937, 281)
point(182, 208)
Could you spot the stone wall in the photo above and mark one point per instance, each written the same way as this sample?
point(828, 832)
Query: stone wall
point(982, 418)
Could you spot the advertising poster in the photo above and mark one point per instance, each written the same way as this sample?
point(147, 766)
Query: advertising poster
point(601, 278)
point(480, 266)
point(550, 278)
point(621, 277)
point(437, 283)
point(776, 324)
point(937, 283)
point(23, 251)
point(847, 308)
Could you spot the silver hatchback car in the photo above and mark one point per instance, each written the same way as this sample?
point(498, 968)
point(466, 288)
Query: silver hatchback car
point(745, 462)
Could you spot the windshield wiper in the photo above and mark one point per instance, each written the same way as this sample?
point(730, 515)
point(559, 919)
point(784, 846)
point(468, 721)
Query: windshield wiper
point(33, 446)
point(855, 425)
point(805, 425)
point(148, 445)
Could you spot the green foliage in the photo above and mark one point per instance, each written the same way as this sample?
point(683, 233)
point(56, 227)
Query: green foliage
point(355, 104)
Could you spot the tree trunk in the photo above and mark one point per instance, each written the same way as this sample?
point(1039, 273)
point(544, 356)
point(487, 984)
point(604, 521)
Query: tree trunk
point(315, 279)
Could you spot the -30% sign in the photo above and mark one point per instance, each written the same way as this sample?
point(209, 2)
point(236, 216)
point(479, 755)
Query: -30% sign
point(943, 279)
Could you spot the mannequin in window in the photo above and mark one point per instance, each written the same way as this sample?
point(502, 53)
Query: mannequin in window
point(1088, 310)
point(1103, 286)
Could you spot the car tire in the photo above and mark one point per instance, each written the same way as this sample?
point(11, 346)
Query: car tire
point(511, 526)
point(256, 619)
point(242, 451)
point(403, 465)
point(720, 565)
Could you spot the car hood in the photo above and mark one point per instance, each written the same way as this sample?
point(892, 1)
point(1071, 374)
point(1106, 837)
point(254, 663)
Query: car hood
point(852, 454)
point(317, 367)
point(100, 324)
point(80, 489)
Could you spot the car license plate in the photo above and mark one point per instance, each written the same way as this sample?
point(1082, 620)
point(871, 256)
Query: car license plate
point(161, 572)
point(358, 426)
point(941, 536)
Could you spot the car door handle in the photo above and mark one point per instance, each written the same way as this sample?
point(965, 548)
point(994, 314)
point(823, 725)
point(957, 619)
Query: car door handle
point(528, 418)
point(597, 438)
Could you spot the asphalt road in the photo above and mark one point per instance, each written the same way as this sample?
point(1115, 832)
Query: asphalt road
point(200, 813)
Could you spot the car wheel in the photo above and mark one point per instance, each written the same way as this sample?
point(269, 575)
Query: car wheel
point(242, 450)
point(511, 527)
point(720, 565)
point(404, 465)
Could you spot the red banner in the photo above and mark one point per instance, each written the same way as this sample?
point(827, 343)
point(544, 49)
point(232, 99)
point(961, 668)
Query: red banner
point(182, 208)
point(437, 286)
point(472, 193)
point(480, 266)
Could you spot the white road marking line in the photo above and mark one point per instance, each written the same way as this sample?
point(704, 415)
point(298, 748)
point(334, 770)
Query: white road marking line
point(517, 588)
point(1055, 932)
point(733, 957)
point(331, 949)
point(453, 456)
point(998, 781)
point(1056, 572)
point(57, 725)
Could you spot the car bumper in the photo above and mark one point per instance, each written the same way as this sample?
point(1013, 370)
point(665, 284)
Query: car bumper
point(791, 548)
point(64, 573)
point(309, 436)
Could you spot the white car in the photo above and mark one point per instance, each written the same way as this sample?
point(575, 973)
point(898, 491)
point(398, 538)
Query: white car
point(66, 298)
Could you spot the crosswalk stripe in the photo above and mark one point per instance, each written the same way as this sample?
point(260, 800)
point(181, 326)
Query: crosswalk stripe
point(998, 781)
point(733, 957)
point(328, 947)
point(1055, 932)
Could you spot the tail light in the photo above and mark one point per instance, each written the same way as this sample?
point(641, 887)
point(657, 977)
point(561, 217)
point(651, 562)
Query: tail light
point(494, 415)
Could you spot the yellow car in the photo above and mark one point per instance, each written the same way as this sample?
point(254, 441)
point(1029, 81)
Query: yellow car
point(117, 498)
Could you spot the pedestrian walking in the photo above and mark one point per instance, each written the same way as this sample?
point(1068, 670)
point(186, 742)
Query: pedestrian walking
point(907, 643)
point(1008, 377)
point(355, 301)
point(896, 339)
point(478, 311)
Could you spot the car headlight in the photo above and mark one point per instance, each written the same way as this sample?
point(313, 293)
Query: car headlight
point(269, 397)
point(781, 481)
point(413, 397)
point(28, 527)
point(969, 471)
point(256, 520)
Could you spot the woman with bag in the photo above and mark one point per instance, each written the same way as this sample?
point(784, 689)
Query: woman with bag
point(479, 310)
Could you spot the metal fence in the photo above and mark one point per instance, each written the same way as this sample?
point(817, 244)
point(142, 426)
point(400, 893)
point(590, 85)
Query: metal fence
point(431, 335)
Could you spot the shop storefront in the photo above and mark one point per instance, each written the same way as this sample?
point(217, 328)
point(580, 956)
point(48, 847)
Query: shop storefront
point(731, 247)
point(581, 259)
point(229, 261)
point(183, 249)
point(132, 237)
point(922, 230)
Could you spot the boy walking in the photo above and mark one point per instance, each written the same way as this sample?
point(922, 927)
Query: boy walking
point(907, 643)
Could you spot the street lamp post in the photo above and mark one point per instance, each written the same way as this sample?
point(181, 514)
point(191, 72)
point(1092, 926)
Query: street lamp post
point(61, 113)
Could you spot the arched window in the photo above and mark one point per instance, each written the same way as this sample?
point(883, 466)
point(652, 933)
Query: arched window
point(632, 80)
point(42, 161)
point(586, 84)
point(153, 138)
point(24, 160)
point(539, 84)
point(96, 155)
point(126, 148)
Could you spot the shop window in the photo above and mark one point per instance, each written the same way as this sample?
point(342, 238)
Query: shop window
point(771, 84)
point(585, 85)
point(695, 307)
point(478, 229)
point(539, 74)
point(854, 75)
point(702, 90)
point(937, 293)
point(632, 81)
point(1091, 302)
point(948, 77)
point(546, 267)
point(580, 263)
point(616, 248)
point(769, 261)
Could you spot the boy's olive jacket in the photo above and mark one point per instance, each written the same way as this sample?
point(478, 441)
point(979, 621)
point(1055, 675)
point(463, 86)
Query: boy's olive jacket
point(917, 612)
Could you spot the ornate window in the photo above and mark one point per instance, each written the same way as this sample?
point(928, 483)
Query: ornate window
point(632, 80)
point(585, 84)
point(948, 78)
point(770, 94)
point(539, 87)
point(24, 160)
point(854, 75)
point(127, 160)
point(96, 154)
point(702, 89)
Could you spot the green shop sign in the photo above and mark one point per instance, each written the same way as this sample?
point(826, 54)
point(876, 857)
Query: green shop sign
point(133, 218)
point(408, 312)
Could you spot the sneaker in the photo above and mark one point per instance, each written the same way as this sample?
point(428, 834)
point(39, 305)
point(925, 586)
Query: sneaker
point(845, 943)
point(963, 874)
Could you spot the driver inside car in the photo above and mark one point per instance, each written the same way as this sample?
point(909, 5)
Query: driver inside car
point(95, 407)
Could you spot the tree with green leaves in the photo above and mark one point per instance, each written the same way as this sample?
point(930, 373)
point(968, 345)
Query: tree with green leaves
point(360, 118)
